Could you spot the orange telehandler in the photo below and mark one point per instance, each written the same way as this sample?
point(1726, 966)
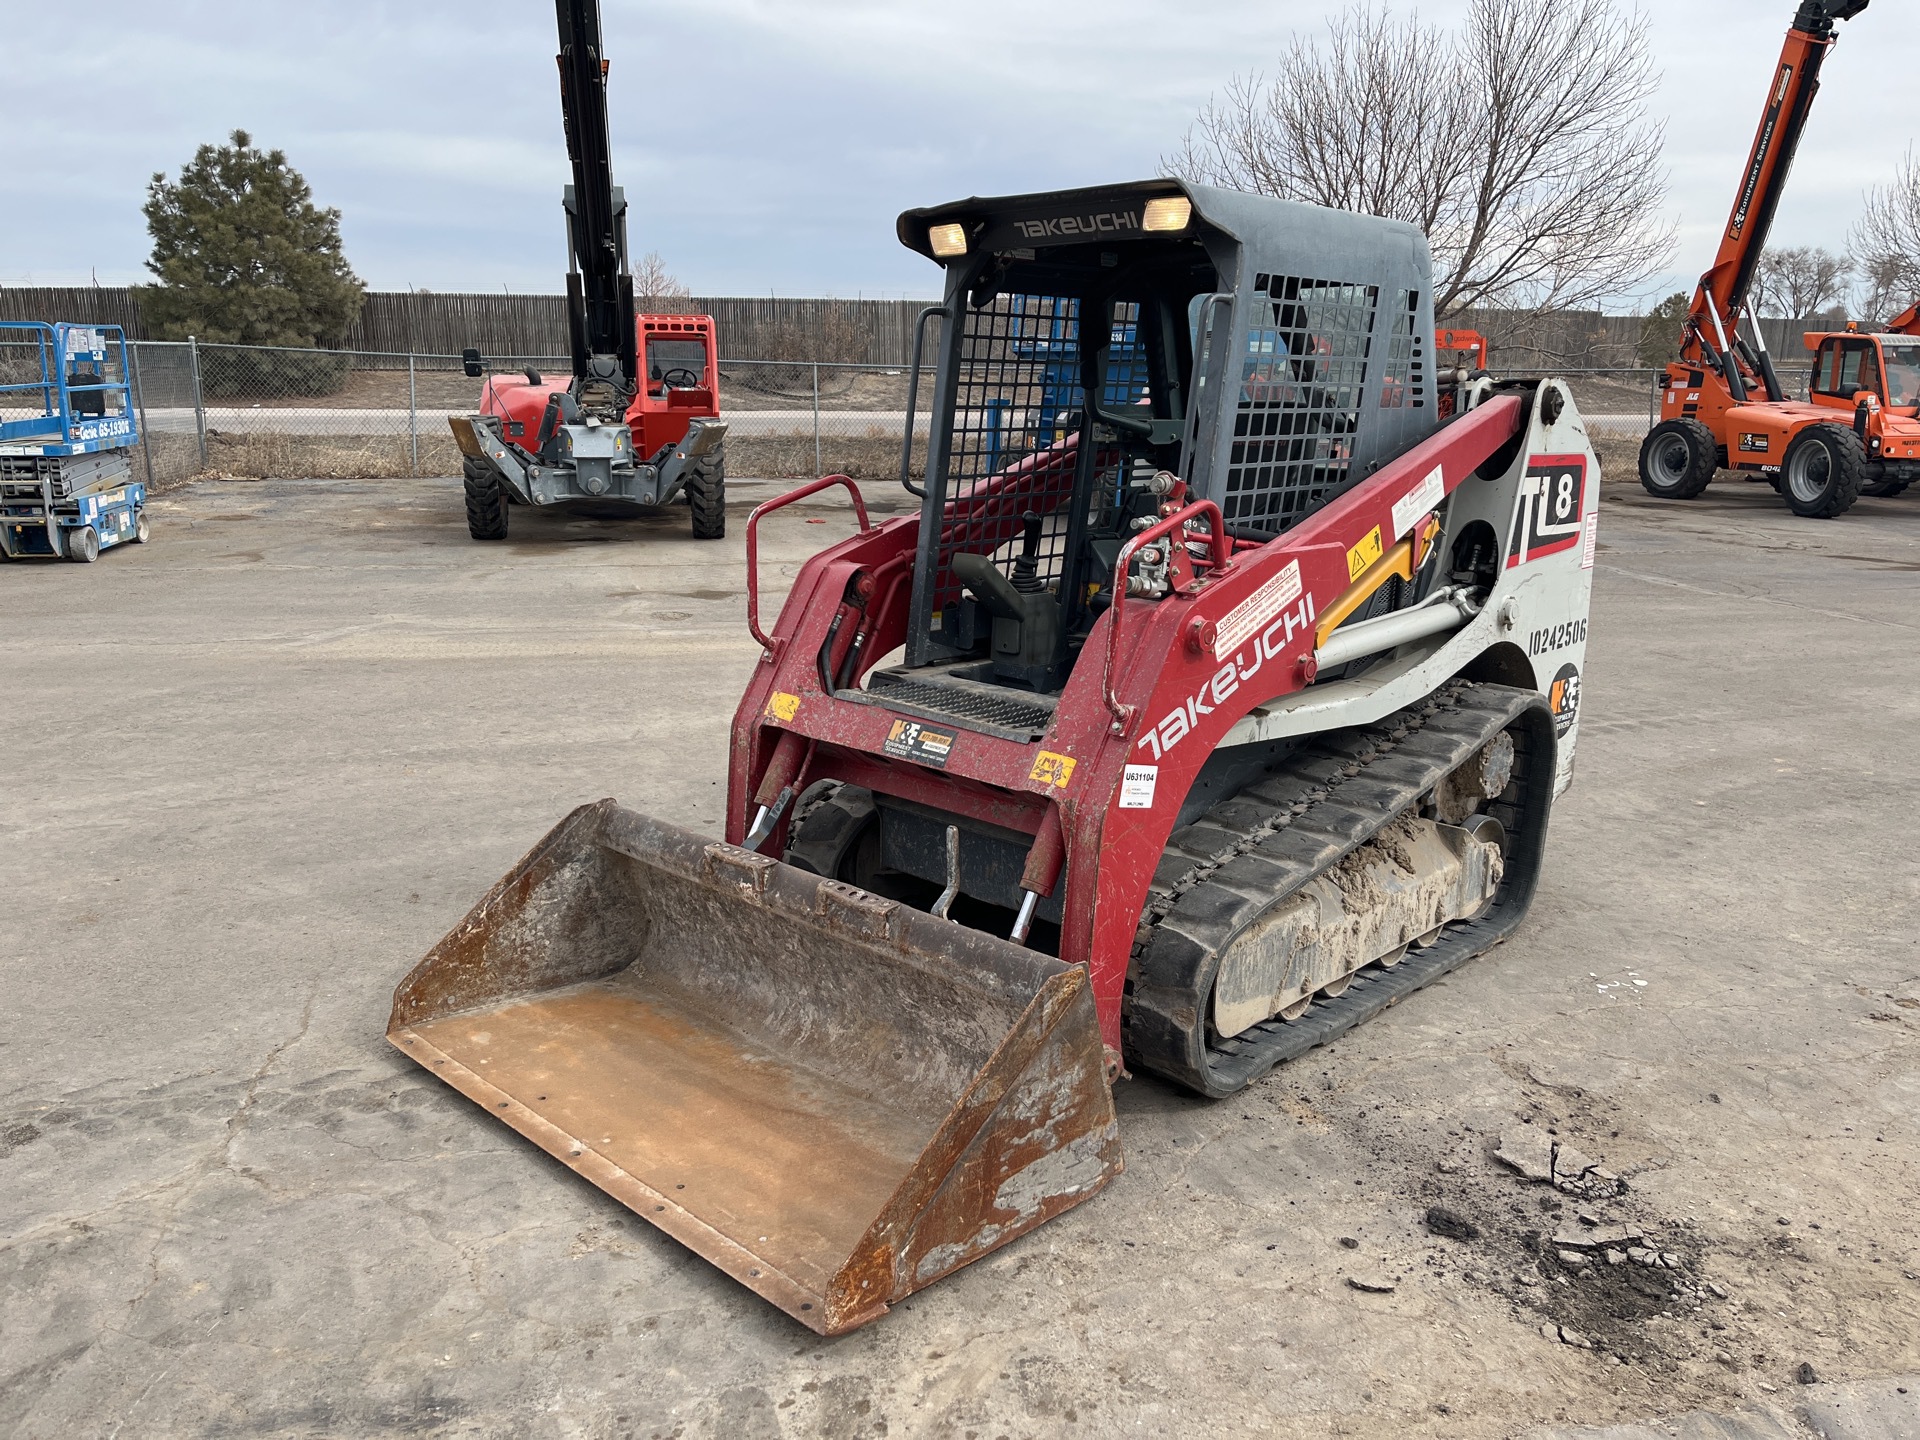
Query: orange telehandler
point(1723, 406)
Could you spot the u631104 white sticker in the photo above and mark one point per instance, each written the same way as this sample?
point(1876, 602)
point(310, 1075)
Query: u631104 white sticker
point(1137, 784)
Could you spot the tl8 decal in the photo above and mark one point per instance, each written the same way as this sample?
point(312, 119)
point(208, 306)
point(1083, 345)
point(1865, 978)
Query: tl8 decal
point(1552, 501)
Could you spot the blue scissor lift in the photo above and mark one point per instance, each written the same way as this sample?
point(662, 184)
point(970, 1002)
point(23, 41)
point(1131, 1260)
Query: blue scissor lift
point(66, 434)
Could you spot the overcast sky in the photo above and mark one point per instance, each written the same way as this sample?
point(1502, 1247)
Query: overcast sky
point(768, 144)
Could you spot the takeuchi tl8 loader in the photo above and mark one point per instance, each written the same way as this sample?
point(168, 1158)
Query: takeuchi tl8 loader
point(637, 424)
point(1723, 407)
point(1181, 731)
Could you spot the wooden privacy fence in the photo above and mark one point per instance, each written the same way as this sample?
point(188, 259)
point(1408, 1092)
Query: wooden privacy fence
point(82, 304)
point(873, 332)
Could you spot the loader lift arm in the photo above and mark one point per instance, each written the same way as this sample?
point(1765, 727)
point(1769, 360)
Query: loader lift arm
point(1711, 336)
point(600, 310)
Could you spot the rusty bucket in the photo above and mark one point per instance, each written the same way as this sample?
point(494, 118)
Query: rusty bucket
point(835, 1098)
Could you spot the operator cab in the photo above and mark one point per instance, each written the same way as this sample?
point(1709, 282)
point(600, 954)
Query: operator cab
point(679, 381)
point(1846, 367)
point(1107, 353)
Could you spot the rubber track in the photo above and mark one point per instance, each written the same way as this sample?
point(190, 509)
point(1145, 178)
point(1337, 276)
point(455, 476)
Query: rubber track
point(1250, 852)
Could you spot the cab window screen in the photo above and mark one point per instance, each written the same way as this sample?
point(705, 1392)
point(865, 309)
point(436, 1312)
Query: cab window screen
point(1302, 382)
point(1013, 448)
point(666, 356)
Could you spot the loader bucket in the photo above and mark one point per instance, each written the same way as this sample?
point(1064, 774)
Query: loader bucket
point(835, 1098)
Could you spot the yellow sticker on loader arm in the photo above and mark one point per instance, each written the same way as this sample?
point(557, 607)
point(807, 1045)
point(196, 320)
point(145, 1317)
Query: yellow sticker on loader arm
point(1054, 770)
point(1364, 554)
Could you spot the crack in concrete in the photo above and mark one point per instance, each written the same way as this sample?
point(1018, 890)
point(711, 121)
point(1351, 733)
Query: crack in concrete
point(222, 1158)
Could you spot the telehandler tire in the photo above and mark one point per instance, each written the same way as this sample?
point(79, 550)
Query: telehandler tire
point(486, 506)
point(1822, 471)
point(1678, 459)
point(706, 491)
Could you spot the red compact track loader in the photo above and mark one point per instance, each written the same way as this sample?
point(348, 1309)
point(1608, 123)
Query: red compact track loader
point(1723, 407)
point(1188, 725)
point(637, 423)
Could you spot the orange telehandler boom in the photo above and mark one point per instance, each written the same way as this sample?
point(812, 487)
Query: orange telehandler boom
point(1712, 332)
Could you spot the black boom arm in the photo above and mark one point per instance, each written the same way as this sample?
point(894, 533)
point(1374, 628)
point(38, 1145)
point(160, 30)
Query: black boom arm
point(599, 285)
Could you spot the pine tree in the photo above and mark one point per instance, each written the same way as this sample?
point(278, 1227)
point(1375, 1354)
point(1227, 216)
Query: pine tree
point(1660, 331)
point(243, 255)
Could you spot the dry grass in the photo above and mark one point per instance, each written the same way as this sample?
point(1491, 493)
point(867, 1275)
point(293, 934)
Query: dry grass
point(175, 459)
point(875, 456)
point(1619, 459)
point(327, 457)
point(743, 386)
point(871, 453)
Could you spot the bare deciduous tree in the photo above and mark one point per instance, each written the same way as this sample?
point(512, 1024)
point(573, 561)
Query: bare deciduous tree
point(657, 289)
point(1520, 144)
point(1886, 245)
point(1794, 282)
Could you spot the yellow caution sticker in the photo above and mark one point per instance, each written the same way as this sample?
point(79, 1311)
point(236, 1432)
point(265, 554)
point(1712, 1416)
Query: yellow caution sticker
point(782, 706)
point(1054, 770)
point(1363, 555)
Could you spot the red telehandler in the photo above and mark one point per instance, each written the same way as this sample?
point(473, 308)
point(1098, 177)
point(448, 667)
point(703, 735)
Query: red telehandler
point(637, 423)
point(1723, 406)
point(1189, 723)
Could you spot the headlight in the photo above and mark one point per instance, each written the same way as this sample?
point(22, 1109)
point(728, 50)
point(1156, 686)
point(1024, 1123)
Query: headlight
point(1168, 214)
point(947, 241)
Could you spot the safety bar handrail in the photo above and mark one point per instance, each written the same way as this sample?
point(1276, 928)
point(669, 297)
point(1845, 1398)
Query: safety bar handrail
point(812, 487)
point(76, 389)
point(55, 385)
point(1176, 522)
point(913, 395)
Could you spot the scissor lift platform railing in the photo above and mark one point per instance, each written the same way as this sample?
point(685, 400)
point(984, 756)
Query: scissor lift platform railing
point(66, 432)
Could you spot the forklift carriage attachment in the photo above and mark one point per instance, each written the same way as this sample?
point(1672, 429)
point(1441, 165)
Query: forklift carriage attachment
point(835, 1098)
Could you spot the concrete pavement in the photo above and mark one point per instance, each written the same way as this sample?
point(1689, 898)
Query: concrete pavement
point(259, 766)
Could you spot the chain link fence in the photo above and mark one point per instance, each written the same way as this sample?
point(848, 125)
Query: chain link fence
point(252, 412)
